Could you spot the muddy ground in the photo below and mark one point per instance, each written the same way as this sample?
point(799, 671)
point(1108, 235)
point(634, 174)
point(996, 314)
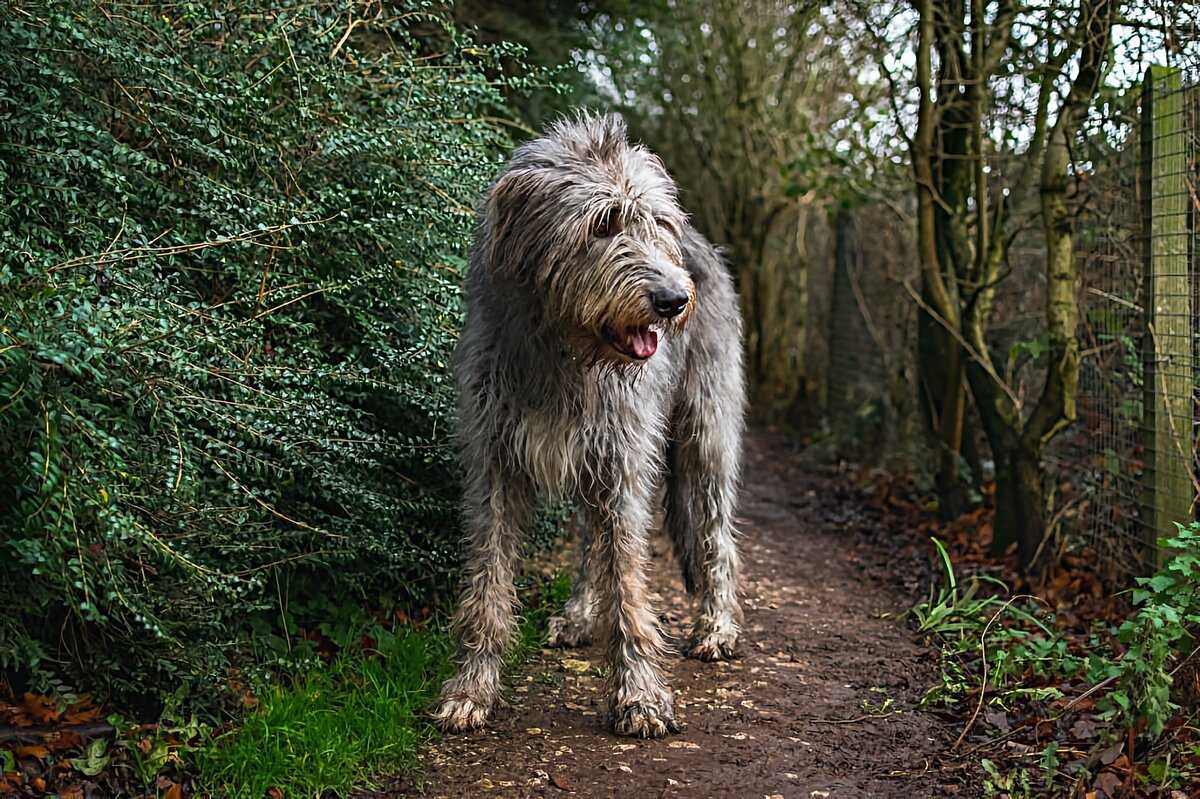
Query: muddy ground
point(822, 701)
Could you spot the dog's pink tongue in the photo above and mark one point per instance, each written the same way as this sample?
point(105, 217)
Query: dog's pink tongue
point(643, 341)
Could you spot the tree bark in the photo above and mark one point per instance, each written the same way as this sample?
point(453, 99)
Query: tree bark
point(1020, 504)
point(939, 361)
point(1018, 445)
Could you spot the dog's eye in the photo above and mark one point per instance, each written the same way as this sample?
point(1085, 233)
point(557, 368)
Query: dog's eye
point(607, 226)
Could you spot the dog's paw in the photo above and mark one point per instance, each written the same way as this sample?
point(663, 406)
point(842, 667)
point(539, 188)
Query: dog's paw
point(645, 719)
point(460, 714)
point(712, 645)
point(568, 633)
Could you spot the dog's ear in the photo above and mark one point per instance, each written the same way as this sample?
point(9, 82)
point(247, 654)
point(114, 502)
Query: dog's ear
point(501, 209)
point(510, 212)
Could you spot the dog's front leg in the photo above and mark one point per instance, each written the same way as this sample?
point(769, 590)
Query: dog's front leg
point(639, 700)
point(498, 508)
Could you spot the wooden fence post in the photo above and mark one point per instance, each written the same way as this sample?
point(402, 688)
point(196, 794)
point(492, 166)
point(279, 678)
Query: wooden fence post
point(1167, 344)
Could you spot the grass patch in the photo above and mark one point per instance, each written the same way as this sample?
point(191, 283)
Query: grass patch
point(337, 726)
point(333, 727)
point(543, 599)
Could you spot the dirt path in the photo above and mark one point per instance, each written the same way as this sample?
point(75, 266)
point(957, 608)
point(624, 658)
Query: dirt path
point(821, 703)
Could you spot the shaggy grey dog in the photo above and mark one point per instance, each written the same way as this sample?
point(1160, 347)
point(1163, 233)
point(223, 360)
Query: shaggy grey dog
point(601, 354)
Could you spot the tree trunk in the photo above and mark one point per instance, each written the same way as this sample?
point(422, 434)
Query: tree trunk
point(1020, 504)
point(943, 406)
point(939, 356)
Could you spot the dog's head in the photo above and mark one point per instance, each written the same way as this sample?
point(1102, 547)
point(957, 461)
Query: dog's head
point(591, 223)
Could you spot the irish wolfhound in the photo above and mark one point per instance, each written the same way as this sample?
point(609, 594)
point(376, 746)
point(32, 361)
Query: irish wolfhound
point(601, 353)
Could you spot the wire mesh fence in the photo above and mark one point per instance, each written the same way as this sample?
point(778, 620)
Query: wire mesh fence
point(1132, 455)
point(1125, 473)
point(1101, 460)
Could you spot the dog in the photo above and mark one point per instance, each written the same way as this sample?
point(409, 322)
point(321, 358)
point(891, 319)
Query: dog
point(601, 359)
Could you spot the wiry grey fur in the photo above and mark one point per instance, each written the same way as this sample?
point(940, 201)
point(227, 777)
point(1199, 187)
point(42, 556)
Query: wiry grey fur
point(574, 237)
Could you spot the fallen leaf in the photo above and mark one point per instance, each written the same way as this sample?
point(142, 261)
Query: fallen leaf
point(998, 719)
point(274, 793)
point(562, 783)
point(1108, 783)
point(1110, 754)
point(1084, 728)
point(174, 792)
point(68, 739)
point(33, 750)
point(70, 792)
point(577, 666)
point(81, 715)
point(40, 708)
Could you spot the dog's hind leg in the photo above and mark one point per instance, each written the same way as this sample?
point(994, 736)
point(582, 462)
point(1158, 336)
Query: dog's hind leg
point(702, 460)
point(574, 627)
point(498, 510)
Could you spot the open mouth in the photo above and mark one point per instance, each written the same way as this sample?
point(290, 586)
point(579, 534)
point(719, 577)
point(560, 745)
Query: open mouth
point(638, 343)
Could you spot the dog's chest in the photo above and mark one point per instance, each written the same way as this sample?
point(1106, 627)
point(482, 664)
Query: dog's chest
point(591, 428)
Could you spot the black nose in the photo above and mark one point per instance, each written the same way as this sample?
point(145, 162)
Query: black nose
point(668, 302)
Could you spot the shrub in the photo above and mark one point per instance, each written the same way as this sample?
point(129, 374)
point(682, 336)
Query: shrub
point(1157, 638)
point(230, 245)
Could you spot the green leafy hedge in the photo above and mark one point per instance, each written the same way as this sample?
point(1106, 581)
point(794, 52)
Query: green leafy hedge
point(230, 244)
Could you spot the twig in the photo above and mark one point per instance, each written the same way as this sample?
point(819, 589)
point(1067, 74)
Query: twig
point(354, 23)
point(137, 253)
point(34, 734)
point(1181, 663)
point(975, 356)
point(855, 720)
point(1133, 306)
point(983, 657)
point(1100, 686)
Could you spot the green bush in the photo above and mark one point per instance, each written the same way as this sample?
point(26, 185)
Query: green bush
point(1157, 637)
point(230, 243)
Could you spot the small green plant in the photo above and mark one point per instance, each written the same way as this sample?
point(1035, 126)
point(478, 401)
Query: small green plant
point(1007, 632)
point(1012, 783)
point(951, 611)
point(884, 707)
point(1050, 764)
point(1167, 617)
point(1011, 652)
